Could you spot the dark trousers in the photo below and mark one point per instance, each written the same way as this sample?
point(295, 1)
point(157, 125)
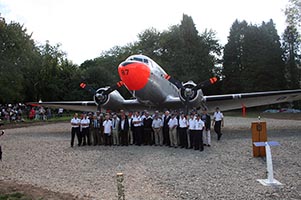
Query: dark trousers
point(75, 130)
point(183, 137)
point(147, 136)
point(191, 133)
point(108, 139)
point(217, 129)
point(137, 133)
point(86, 136)
point(166, 139)
point(124, 137)
point(96, 136)
point(0, 153)
point(198, 140)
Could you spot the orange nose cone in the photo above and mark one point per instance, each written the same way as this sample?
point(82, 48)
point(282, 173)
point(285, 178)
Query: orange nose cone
point(134, 74)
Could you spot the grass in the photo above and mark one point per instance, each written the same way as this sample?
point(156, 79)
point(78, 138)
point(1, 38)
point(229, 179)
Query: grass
point(14, 196)
point(64, 118)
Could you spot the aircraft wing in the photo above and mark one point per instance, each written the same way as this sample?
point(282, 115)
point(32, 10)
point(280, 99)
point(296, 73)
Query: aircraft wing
point(237, 101)
point(68, 105)
point(90, 106)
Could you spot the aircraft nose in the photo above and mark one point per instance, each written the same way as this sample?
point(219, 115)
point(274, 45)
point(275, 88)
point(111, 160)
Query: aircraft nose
point(134, 74)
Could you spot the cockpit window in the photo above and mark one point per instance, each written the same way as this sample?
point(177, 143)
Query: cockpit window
point(144, 60)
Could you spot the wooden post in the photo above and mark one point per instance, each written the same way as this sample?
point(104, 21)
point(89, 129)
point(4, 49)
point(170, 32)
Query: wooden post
point(259, 134)
point(120, 187)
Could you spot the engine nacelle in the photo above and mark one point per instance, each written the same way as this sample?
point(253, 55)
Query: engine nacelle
point(194, 97)
point(112, 100)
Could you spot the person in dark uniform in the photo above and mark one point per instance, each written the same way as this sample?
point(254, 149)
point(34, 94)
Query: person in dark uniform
point(166, 118)
point(123, 128)
point(2, 133)
point(75, 123)
point(148, 121)
point(218, 122)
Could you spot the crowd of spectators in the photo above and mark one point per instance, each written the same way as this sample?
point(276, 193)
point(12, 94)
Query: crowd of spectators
point(12, 112)
point(19, 112)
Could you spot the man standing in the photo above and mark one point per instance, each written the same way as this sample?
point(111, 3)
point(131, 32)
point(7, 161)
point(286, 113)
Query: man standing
point(96, 130)
point(75, 123)
point(147, 121)
point(198, 135)
point(115, 122)
point(183, 124)
point(123, 128)
point(166, 118)
point(85, 125)
point(2, 133)
point(206, 132)
point(191, 125)
point(137, 123)
point(218, 122)
point(157, 127)
point(107, 129)
point(173, 124)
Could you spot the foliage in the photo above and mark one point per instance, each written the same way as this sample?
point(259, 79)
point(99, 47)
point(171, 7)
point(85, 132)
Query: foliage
point(253, 58)
point(292, 44)
point(13, 196)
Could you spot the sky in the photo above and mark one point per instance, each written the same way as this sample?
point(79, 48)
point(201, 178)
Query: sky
point(86, 28)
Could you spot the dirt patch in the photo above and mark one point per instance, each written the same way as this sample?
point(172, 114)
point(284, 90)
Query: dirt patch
point(25, 124)
point(32, 192)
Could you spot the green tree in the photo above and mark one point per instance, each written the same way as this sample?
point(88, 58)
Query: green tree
point(232, 59)
point(292, 44)
point(253, 59)
point(17, 53)
point(186, 54)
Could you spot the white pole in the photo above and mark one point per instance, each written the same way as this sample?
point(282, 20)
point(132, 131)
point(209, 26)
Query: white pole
point(269, 163)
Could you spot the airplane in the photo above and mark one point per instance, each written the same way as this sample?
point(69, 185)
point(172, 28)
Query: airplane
point(153, 89)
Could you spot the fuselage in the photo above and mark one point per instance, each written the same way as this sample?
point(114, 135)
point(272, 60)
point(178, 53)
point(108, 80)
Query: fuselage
point(145, 79)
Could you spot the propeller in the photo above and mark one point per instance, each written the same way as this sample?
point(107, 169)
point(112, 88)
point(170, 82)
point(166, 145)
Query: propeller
point(190, 92)
point(101, 95)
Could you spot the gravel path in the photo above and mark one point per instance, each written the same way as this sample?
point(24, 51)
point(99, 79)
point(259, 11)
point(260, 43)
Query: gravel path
point(41, 156)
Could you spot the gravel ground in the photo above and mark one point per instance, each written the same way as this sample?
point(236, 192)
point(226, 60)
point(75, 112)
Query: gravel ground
point(42, 156)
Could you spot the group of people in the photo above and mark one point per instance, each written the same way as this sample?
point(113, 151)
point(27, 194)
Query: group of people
point(141, 128)
point(12, 112)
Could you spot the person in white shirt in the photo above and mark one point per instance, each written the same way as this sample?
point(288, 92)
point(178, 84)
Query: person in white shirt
point(172, 124)
point(218, 122)
point(85, 124)
point(137, 128)
point(75, 123)
point(191, 129)
point(198, 136)
point(107, 130)
point(157, 127)
point(183, 124)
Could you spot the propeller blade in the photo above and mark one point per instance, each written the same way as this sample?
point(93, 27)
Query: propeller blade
point(113, 87)
point(87, 87)
point(174, 81)
point(206, 83)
